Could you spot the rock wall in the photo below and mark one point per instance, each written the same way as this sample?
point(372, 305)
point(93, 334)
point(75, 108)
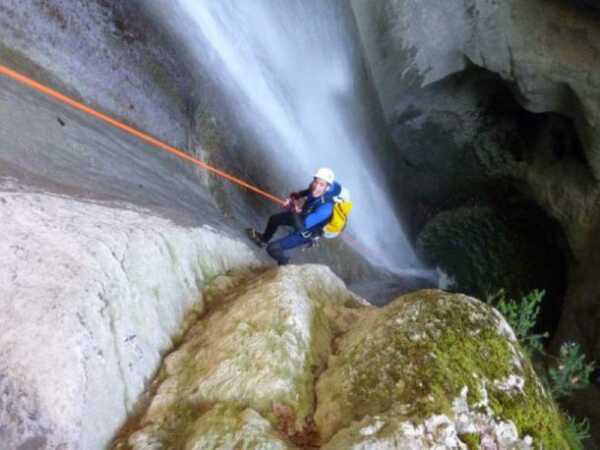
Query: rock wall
point(300, 362)
point(105, 52)
point(434, 370)
point(434, 65)
point(252, 358)
point(92, 298)
point(548, 50)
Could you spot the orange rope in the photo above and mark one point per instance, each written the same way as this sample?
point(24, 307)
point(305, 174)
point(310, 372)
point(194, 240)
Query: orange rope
point(145, 137)
point(130, 130)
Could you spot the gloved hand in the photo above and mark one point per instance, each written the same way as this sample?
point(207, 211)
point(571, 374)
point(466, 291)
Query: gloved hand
point(292, 204)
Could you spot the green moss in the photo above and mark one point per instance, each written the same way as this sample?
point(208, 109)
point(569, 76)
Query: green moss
point(456, 364)
point(534, 413)
point(397, 365)
point(425, 349)
point(471, 439)
point(483, 251)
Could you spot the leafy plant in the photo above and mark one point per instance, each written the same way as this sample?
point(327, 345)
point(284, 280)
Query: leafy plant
point(578, 431)
point(572, 372)
point(522, 316)
point(569, 372)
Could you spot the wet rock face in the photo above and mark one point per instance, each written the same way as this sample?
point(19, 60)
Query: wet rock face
point(464, 144)
point(108, 53)
point(552, 53)
point(547, 49)
point(288, 358)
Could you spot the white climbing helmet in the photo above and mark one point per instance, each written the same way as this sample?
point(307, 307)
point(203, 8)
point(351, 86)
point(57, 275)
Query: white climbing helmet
point(325, 173)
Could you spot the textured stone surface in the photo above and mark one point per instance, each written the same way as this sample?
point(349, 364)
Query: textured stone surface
point(288, 358)
point(260, 346)
point(106, 52)
point(92, 297)
point(428, 370)
point(550, 50)
point(231, 427)
point(411, 43)
point(546, 55)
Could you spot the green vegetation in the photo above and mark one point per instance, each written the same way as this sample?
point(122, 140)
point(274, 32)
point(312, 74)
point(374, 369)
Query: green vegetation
point(567, 372)
point(422, 353)
point(578, 432)
point(481, 250)
point(522, 317)
point(534, 413)
point(571, 373)
point(415, 358)
point(472, 440)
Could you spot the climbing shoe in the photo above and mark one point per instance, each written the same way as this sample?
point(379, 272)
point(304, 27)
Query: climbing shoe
point(256, 237)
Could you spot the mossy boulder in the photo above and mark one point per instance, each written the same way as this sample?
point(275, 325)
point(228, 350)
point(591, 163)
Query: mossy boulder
point(231, 427)
point(484, 250)
point(251, 359)
point(288, 358)
point(434, 369)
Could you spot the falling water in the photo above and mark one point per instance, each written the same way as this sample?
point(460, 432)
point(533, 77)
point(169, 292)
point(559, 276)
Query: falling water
point(293, 72)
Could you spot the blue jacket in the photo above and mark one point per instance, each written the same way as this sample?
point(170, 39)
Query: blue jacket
point(317, 211)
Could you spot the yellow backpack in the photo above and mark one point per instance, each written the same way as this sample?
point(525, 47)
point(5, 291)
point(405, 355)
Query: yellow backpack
point(339, 219)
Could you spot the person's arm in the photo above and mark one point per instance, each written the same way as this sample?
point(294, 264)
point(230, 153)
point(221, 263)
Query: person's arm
point(295, 196)
point(321, 214)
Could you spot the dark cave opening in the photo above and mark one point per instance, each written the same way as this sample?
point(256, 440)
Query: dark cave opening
point(439, 174)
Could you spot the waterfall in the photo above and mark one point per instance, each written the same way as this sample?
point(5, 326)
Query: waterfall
point(294, 73)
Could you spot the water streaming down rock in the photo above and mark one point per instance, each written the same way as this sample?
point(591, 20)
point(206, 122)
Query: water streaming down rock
point(294, 74)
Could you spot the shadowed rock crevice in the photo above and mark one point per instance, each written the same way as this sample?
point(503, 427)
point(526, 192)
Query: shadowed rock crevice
point(472, 162)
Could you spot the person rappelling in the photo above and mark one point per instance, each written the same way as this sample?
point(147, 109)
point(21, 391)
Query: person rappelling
point(320, 210)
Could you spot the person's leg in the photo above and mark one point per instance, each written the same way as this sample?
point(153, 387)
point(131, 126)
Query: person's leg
point(275, 221)
point(279, 249)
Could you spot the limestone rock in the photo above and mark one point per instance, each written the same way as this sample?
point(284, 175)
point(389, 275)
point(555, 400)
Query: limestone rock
point(92, 298)
point(434, 370)
point(136, 74)
point(287, 357)
point(226, 427)
point(261, 345)
point(549, 50)
point(410, 43)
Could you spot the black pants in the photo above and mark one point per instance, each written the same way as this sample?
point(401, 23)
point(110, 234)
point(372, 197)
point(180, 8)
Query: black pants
point(286, 218)
point(279, 250)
